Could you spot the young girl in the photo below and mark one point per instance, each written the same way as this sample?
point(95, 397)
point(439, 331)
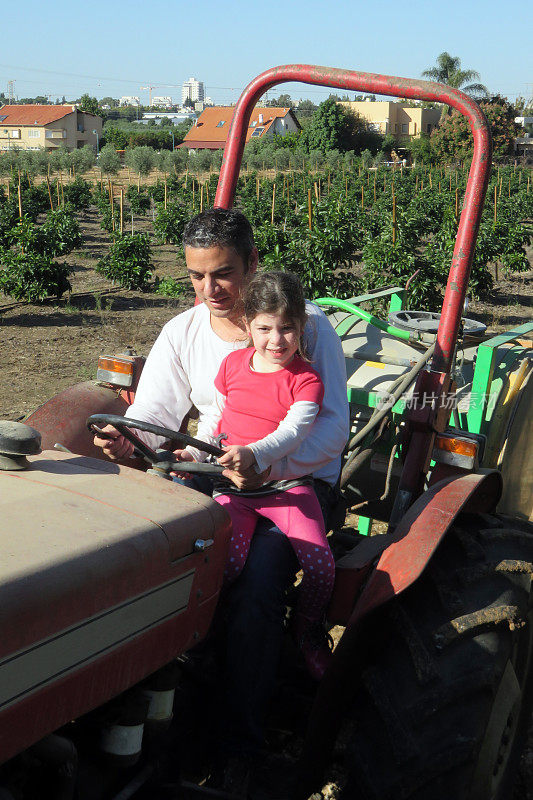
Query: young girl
point(269, 396)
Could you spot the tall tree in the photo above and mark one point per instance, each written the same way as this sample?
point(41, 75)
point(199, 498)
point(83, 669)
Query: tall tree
point(449, 72)
point(89, 104)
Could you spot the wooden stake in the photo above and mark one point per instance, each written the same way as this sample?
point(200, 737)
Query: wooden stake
point(49, 192)
point(316, 190)
point(329, 181)
point(122, 210)
point(165, 200)
point(309, 208)
point(193, 191)
point(457, 206)
point(273, 202)
point(20, 199)
point(393, 219)
point(362, 198)
point(346, 189)
point(495, 204)
point(201, 198)
point(257, 187)
point(375, 177)
point(509, 185)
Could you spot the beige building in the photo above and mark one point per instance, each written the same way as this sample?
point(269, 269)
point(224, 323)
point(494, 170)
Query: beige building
point(391, 117)
point(34, 127)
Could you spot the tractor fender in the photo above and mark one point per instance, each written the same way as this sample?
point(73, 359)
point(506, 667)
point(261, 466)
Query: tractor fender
point(419, 532)
point(405, 554)
point(63, 418)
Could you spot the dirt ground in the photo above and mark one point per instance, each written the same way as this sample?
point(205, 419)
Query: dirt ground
point(47, 347)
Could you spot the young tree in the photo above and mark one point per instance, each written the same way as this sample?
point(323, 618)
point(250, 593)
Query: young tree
point(109, 160)
point(141, 159)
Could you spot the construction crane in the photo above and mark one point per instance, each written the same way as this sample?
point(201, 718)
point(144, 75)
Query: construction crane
point(149, 89)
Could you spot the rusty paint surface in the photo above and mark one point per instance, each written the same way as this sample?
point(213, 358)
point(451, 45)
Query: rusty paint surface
point(420, 531)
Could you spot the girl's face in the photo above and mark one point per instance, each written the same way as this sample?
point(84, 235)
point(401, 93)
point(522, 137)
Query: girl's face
point(276, 338)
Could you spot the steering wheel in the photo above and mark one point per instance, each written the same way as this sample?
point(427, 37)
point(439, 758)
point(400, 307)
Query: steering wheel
point(162, 461)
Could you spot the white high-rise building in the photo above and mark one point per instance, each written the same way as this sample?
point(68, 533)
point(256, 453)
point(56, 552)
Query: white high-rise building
point(192, 89)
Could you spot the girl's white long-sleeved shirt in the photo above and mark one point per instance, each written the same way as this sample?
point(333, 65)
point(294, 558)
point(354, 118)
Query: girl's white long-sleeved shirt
point(180, 372)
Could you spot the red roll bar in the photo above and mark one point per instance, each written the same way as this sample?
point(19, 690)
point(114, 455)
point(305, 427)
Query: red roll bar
point(397, 87)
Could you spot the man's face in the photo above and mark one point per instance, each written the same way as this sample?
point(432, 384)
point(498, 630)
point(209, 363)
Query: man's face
point(218, 276)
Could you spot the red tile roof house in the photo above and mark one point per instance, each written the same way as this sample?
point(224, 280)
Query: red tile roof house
point(34, 127)
point(211, 129)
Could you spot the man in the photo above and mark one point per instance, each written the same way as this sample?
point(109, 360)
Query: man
point(179, 373)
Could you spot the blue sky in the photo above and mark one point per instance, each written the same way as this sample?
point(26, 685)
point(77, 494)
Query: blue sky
point(109, 49)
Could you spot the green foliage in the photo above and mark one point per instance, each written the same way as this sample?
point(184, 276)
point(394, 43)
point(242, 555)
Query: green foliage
point(452, 139)
point(82, 159)
point(78, 193)
point(329, 128)
point(169, 223)
point(139, 202)
point(9, 216)
point(170, 287)
point(109, 160)
point(90, 104)
point(128, 261)
point(449, 72)
point(32, 276)
point(141, 159)
point(58, 235)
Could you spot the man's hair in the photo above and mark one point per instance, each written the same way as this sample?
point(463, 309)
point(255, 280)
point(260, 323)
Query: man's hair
point(221, 227)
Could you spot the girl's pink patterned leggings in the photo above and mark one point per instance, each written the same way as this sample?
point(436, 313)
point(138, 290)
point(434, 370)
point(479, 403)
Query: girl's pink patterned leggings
point(296, 512)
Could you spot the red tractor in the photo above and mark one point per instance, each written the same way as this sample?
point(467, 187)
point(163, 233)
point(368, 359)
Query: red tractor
point(109, 575)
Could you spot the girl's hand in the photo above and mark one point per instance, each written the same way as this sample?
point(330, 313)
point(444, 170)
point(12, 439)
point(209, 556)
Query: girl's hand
point(182, 455)
point(237, 458)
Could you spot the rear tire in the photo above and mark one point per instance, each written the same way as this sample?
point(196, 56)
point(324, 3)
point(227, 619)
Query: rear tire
point(446, 697)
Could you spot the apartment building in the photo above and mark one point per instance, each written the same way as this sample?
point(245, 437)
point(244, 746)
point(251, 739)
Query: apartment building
point(34, 127)
point(192, 90)
point(129, 100)
point(394, 118)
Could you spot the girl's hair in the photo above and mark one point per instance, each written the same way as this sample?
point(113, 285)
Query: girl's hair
point(276, 292)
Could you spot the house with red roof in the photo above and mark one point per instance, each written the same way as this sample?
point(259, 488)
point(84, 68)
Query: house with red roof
point(34, 127)
point(211, 129)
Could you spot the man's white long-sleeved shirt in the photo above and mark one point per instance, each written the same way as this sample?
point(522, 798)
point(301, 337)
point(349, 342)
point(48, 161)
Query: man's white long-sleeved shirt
point(185, 359)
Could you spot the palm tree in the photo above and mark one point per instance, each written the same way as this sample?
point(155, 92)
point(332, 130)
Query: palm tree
point(449, 72)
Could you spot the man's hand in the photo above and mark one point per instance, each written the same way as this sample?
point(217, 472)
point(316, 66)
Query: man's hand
point(237, 458)
point(113, 443)
point(248, 478)
point(182, 455)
